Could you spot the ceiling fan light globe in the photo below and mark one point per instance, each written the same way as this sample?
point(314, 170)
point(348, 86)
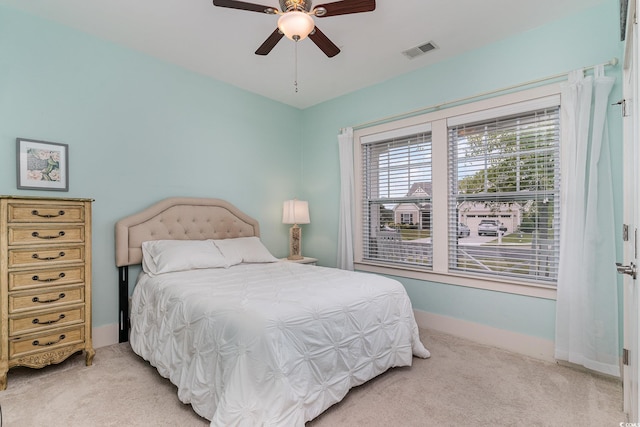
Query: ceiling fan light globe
point(296, 25)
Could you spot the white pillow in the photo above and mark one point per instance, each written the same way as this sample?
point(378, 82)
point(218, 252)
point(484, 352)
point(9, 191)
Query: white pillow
point(165, 256)
point(244, 249)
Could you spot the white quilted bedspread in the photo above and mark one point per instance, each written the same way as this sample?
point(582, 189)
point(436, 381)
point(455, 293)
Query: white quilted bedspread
point(271, 344)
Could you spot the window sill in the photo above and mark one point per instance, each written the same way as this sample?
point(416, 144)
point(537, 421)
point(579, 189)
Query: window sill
point(518, 288)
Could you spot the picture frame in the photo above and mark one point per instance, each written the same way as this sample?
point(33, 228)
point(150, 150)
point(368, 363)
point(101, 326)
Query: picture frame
point(42, 165)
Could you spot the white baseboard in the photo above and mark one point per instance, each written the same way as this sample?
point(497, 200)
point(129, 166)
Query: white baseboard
point(106, 335)
point(527, 345)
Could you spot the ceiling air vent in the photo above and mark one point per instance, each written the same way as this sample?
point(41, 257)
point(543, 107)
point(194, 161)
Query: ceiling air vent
point(420, 50)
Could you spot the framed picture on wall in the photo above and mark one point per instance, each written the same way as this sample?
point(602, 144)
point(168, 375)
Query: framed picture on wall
point(42, 165)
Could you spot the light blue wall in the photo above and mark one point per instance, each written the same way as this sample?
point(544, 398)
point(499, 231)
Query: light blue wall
point(140, 130)
point(584, 39)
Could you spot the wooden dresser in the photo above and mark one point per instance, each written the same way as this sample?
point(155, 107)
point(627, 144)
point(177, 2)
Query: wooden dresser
point(45, 274)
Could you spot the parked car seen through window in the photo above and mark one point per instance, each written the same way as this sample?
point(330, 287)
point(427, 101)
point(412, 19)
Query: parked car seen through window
point(490, 227)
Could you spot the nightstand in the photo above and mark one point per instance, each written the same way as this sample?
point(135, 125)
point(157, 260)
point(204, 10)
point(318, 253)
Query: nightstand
point(304, 260)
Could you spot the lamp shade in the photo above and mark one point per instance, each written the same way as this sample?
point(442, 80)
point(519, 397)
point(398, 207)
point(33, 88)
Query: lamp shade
point(295, 212)
point(296, 25)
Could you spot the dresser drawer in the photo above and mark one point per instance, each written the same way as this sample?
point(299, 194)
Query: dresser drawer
point(35, 257)
point(44, 213)
point(45, 341)
point(37, 322)
point(49, 298)
point(36, 234)
point(50, 277)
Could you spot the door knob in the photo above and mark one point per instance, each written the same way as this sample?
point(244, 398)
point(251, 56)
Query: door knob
point(630, 269)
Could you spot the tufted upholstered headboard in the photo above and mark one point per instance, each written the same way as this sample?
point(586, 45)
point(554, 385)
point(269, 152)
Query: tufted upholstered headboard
point(175, 218)
point(180, 218)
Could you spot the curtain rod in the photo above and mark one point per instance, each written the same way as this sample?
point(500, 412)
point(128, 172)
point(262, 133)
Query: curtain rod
point(434, 107)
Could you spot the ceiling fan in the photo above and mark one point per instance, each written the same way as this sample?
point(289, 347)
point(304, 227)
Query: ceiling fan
point(296, 20)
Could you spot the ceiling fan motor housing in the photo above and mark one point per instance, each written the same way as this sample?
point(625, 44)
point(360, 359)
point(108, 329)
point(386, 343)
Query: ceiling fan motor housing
point(301, 5)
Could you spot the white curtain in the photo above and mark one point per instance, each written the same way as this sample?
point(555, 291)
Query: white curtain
point(347, 205)
point(587, 299)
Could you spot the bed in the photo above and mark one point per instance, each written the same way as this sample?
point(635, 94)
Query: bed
point(249, 339)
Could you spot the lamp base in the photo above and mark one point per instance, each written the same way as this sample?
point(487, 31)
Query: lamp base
point(295, 243)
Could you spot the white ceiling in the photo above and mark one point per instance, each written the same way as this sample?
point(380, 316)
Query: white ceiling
point(220, 42)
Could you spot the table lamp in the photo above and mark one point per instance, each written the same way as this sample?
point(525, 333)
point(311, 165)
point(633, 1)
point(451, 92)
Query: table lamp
point(295, 212)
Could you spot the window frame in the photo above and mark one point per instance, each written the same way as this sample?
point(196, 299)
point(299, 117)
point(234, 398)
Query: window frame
point(438, 120)
point(393, 153)
point(542, 152)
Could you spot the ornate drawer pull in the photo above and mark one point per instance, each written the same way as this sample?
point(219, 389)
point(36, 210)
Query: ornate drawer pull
point(52, 279)
point(47, 301)
point(37, 321)
point(36, 213)
point(37, 343)
point(49, 258)
point(36, 234)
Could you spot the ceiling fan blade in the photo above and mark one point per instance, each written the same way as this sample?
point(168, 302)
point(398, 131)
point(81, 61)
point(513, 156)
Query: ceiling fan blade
point(323, 42)
point(270, 43)
point(242, 5)
point(347, 6)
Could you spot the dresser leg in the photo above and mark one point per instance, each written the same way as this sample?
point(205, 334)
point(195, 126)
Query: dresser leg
point(88, 354)
point(3, 378)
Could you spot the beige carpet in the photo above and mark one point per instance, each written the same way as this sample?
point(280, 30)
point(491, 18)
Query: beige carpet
point(463, 384)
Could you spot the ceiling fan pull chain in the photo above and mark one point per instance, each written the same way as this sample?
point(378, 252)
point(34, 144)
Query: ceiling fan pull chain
point(295, 66)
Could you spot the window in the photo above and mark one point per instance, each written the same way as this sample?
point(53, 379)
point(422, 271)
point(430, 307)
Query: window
point(396, 198)
point(467, 195)
point(507, 170)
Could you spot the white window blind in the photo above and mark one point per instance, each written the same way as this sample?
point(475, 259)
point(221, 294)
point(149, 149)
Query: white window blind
point(504, 184)
point(396, 201)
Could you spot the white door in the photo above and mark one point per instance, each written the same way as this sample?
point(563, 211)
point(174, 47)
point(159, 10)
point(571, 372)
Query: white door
point(631, 123)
